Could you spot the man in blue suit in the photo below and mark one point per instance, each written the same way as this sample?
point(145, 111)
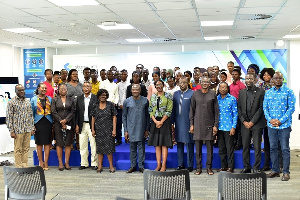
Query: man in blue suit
point(181, 124)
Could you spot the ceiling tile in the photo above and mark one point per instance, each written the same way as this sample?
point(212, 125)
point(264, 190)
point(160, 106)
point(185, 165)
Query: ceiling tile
point(172, 5)
point(259, 10)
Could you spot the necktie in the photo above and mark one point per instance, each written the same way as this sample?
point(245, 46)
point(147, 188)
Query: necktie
point(180, 102)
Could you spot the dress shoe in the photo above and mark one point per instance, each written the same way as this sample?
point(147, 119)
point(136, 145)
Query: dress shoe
point(94, 167)
point(210, 171)
point(246, 170)
point(131, 169)
point(255, 171)
point(230, 170)
point(265, 168)
point(198, 171)
point(190, 169)
point(221, 169)
point(82, 167)
point(272, 175)
point(285, 177)
point(141, 170)
point(180, 168)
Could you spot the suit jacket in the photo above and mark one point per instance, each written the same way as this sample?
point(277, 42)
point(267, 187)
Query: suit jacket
point(256, 115)
point(80, 108)
point(60, 112)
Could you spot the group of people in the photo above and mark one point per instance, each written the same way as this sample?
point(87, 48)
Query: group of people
point(183, 108)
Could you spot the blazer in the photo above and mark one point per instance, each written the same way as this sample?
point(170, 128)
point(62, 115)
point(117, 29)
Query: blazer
point(80, 108)
point(256, 113)
point(36, 116)
point(60, 112)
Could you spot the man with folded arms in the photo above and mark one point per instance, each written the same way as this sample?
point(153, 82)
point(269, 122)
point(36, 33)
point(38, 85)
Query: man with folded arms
point(136, 118)
point(279, 105)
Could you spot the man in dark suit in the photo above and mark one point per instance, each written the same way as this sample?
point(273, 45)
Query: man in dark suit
point(83, 119)
point(250, 109)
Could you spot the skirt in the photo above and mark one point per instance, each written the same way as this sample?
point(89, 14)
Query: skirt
point(43, 132)
point(161, 136)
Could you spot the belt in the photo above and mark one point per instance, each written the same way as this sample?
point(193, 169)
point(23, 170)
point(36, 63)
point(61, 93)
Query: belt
point(86, 121)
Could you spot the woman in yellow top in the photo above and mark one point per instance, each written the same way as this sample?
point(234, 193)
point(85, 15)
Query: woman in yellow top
point(160, 109)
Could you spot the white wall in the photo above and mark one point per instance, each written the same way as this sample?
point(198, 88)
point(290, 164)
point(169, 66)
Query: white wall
point(294, 84)
point(6, 61)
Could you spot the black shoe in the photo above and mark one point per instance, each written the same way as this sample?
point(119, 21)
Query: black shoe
point(255, 171)
point(190, 169)
point(237, 147)
point(131, 169)
point(222, 169)
point(246, 170)
point(180, 168)
point(94, 167)
point(273, 174)
point(265, 168)
point(118, 143)
point(82, 167)
point(141, 170)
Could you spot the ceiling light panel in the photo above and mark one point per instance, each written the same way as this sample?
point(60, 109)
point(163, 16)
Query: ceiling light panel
point(217, 38)
point(217, 17)
point(291, 36)
point(28, 3)
point(216, 23)
point(74, 2)
point(23, 30)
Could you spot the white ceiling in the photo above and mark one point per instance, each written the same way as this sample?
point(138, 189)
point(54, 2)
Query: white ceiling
point(154, 19)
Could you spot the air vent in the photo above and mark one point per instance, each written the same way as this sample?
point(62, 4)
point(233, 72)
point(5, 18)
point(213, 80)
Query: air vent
point(254, 17)
point(169, 39)
point(65, 40)
point(245, 37)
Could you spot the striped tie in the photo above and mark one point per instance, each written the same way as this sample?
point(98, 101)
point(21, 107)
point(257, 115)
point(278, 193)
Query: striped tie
point(180, 102)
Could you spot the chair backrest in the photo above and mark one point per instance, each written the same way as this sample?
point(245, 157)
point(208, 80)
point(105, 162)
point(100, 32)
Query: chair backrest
point(24, 183)
point(167, 185)
point(242, 186)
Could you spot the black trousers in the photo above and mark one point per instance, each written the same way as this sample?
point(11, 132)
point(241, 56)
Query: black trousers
point(238, 135)
point(119, 125)
point(209, 145)
point(246, 139)
point(226, 149)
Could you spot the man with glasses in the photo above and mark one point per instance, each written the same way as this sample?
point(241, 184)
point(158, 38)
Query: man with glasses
point(278, 106)
point(83, 118)
point(20, 123)
point(181, 124)
point(204, 120)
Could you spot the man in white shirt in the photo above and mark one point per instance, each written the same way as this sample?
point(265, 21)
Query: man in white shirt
point(111, 87)
point(83, 118)
point(122, 87)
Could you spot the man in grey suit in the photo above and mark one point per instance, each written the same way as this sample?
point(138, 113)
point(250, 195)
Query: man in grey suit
point(83, 118)
point(250, 109)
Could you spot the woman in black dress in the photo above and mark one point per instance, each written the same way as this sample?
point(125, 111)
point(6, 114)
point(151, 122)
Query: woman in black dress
point(41, 106)
point(104, 122)
point(63, 111)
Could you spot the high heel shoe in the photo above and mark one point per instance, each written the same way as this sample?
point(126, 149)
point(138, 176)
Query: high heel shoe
point(112, 170)
point(67, 168)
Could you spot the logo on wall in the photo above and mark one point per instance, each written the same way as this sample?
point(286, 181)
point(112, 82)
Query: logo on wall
point(67, 66)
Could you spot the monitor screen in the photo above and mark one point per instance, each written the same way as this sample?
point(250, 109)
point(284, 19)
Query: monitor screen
point(7, 91)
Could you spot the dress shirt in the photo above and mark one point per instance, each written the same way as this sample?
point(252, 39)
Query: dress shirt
point(95, 87)
point(122, 87)
point(279, 104)
point(146, 83)
point(112, 89)
point(228, 112)
point(19, 116)
point(235, 88)
point(86, 108)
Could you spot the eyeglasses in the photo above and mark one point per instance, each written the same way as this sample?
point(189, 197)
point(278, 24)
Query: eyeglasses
point(278, 78)
point(159, 85)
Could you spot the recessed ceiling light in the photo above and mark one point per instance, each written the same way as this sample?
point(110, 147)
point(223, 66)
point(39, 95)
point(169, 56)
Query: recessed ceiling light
point(291, 36)
point(216, 23)
point(75, 2)
point(217, 38)
point(114, 26)
point(66, 42)
point(139, 40)
point(23, 30)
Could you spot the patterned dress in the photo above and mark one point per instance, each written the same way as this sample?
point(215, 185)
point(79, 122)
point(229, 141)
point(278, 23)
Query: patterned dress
point(105, 142)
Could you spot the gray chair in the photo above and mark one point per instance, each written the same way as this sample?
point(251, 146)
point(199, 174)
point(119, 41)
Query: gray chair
point(167, 185)
point(233, 186)
point(25, 183)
